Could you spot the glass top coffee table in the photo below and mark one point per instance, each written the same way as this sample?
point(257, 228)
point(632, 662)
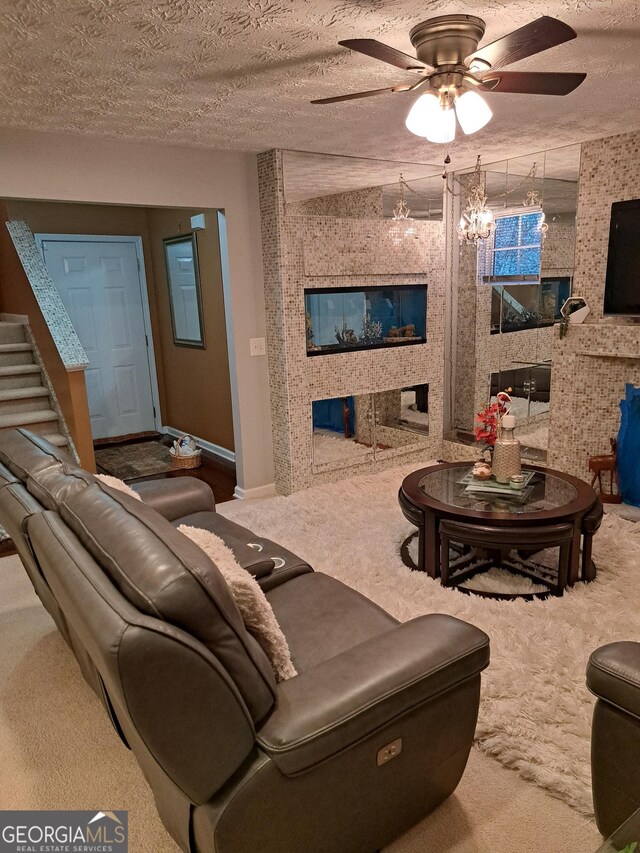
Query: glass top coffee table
point(466, 527)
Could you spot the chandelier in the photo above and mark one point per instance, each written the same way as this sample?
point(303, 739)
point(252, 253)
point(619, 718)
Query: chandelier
point(401, 229)
point(534, 199)
point(401, 210)
point(476, 222)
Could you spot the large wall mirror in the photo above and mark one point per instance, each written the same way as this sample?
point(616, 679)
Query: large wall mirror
point(353, 187)
point(362, 427)
point(503, 326)
point(181, 256)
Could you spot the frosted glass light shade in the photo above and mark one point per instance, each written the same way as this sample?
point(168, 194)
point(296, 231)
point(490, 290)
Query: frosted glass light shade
point(429, 119)
point(473, 112)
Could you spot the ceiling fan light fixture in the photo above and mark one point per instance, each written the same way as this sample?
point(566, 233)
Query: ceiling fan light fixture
point(473, 112)
point(431, 119)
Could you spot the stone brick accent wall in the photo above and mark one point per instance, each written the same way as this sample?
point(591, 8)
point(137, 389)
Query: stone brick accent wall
point(358, 204)
point(316, 251)
point(594, 362)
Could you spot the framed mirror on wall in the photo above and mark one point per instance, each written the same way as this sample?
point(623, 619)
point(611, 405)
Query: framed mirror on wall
point(183, 277)
point(510, 289)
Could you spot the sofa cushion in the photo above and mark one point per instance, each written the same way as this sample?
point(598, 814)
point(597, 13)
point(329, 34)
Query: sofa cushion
point(50, 486)
point(165, 575)
point(321, 617)
point(268, 562)
point(6, 477)
point(25, 453)
point(256, 612)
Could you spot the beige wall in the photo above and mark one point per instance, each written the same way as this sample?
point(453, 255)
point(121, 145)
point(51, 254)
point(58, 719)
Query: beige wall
point(82, 169)
point(196, 381)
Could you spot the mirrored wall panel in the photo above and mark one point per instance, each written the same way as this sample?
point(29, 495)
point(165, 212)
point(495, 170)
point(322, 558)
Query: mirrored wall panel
point(357, 428)
point(331, 185)
point(510, 291)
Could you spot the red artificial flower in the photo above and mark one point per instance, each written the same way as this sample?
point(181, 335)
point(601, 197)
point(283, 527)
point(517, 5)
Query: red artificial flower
point(488, 418)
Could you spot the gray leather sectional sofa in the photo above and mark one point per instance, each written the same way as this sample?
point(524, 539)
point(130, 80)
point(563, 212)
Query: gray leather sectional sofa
point(370, 736)
point(613, 675)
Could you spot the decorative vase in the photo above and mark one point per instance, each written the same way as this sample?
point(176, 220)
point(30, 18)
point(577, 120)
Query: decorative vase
point(506, 452)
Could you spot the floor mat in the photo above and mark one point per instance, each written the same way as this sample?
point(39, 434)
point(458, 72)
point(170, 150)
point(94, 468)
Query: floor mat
point(131, 461)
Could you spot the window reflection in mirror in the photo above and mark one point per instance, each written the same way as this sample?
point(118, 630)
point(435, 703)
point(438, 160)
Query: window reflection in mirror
point(504, 330)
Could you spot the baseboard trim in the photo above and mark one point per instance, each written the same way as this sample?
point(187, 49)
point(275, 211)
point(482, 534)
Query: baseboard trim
point(209, 446)
point(267, 491)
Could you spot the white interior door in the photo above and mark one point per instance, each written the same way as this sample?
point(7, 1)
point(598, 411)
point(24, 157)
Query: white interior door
point(99, 282)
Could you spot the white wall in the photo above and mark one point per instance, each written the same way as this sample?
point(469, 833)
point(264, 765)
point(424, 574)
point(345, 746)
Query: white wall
point(84, 169)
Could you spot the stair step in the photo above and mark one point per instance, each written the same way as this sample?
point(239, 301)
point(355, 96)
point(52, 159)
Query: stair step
point(55, 438)
point(23, 346)
point(7, 394)
point(16, 419)
point(12, 333)
point(13, 359)
point(10, 369)
point(35, 401)
point(20, 376)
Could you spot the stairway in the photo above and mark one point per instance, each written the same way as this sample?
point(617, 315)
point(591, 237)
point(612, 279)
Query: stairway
point(25, 399)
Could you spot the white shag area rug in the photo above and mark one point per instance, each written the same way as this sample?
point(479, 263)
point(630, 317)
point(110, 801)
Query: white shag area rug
point(410, 413)
point(331, 446)
point(535, 713)
point(537, 437)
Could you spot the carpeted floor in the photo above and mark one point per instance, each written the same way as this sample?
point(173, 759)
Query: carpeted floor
point(129, 461)
point(58, 750)
point(535, 713)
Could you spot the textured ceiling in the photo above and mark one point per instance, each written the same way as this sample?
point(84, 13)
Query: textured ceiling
point(239, 75)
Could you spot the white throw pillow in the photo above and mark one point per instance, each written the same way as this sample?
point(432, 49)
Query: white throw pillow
point(256, 612)
point(120, 485)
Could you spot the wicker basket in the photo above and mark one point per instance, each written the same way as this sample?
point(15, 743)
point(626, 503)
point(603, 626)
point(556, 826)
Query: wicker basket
point(185, 462)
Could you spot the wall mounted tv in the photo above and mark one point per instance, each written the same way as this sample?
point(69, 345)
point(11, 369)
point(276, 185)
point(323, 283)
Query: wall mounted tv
point(622, 287)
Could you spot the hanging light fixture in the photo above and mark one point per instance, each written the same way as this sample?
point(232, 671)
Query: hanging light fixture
point(433, 116)
point(401, 230)
point(534, 199)
point(476, 222)
point(401, 210)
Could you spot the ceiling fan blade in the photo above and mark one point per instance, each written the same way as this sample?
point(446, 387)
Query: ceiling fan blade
point(533, 38)
point(384, 53)
point(405, 88)
point(530, 82)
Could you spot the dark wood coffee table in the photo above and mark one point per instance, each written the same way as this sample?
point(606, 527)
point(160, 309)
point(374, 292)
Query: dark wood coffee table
point(483, 530)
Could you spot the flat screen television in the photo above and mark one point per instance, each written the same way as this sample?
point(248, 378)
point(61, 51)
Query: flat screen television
point(622, 286)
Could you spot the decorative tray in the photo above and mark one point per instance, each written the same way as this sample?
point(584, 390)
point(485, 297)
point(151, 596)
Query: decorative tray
point(492, 487)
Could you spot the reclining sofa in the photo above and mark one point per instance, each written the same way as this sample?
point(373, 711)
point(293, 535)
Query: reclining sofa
point(613, 676)
point(369, 737)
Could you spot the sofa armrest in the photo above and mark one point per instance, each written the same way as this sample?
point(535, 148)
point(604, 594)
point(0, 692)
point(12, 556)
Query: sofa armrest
point(613, 674)
point(175, 497)
point(341, 700)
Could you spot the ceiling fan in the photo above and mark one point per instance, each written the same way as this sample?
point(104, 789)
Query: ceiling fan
point(453, 69)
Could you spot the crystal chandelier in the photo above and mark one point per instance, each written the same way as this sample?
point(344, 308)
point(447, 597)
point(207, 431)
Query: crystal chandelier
point(401, 210)
point(401, 229)
point(533, 199)
point(476, 222)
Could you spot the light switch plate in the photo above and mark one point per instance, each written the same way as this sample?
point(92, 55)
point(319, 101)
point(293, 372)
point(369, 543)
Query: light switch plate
point(257, 346)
